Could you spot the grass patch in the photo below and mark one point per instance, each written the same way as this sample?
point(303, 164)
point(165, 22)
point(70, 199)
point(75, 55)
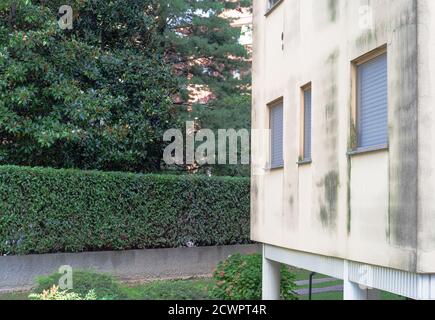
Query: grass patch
point(14, 296)
point(190, 289)
point(323, 285)
point(171, 290)
point(305, 275)
point(391, 296)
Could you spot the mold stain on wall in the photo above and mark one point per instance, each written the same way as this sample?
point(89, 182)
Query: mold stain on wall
point(352, 144)
point(292, 202)
point(404, 133)
point(326, 12)
point(328, 211)
point(333, 10)
point(329, 185)
point(254, 203)
point(349, 195)
point(366, 38)
point(330, 108)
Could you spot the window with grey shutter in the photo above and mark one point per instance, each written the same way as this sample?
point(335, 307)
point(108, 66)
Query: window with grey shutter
point(277, 136)
point(373, 103)
point(307, 124)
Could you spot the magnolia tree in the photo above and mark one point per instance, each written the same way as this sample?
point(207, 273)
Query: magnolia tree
point(94, 96)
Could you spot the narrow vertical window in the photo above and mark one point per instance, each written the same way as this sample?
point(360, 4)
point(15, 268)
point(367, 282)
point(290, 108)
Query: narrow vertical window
point(307, 120)
point(372, 103)
point(277, 136)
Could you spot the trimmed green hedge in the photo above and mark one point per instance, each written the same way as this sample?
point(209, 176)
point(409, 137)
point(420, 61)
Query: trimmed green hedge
point(47, 211)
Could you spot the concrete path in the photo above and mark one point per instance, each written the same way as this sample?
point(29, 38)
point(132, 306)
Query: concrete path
point(305, 292)
point(315, 281)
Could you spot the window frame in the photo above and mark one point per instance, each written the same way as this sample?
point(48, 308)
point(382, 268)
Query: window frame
point(271, 7)
point(275, 103)
point(354, 144)
point(302, 152)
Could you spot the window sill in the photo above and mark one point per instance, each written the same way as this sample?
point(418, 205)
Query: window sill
point(304, 162)
point(269, 168)
point(270, 10)
point(276, 168)
point(361, 151)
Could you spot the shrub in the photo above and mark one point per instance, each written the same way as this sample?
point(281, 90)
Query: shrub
point(49, 211)
point(55, 294)
point(171, 290)
point(103, 286)
point(240, 277)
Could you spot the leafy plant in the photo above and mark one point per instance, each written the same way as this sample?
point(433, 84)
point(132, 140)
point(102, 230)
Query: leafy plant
point(240, 278)
point(102, 286)
point(49, 211)
point(55, 294)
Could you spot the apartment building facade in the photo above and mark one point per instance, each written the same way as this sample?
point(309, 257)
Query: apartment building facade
point(344, 180)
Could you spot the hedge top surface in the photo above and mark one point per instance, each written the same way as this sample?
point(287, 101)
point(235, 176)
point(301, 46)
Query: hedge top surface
point(96, 173)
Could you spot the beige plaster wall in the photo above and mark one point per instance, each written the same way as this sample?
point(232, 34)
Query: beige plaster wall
point(426, 118)
point(363, 208)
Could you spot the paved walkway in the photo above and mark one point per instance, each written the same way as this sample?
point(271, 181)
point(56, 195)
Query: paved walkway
point(306, 291)
point(315, 281)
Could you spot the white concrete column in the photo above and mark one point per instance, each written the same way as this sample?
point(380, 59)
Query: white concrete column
point(355, 291)
point(352, 291)
point(271, 279)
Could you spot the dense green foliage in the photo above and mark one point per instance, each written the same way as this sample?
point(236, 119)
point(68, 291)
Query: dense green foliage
point(240, 277)
point(202, 45)
point(104, 286)
point(232, 112)
point(101, 95)
point(98, 96)
point(47, 210)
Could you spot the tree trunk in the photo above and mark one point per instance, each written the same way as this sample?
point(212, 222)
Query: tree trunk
point(12, 14)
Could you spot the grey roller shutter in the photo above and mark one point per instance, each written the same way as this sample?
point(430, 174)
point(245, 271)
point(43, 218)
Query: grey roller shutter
point(277, 136)
point(373, 103)
point(307, 124)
